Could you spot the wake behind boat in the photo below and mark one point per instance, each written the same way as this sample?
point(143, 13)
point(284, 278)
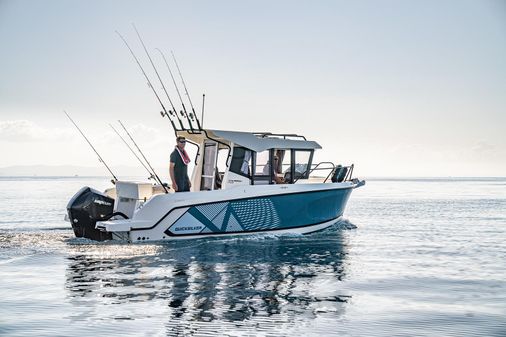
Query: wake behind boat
point(242, 183)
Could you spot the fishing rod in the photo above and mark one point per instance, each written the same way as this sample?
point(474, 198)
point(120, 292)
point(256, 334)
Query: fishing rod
point(142, 154)
point(99, 157)
point(177, 89)
point(186, 90)
point(164, 112)
point(158, 75)
point(151, 176)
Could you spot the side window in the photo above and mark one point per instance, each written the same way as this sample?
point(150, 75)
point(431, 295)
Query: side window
point(208, 166)
point(302, 160)
point(222, 160)
point(221, 167)
point(241, 161)
point(284, 161)
point(263, 164)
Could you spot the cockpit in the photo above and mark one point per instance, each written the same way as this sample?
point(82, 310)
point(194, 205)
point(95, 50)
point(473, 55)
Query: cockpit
point(229, 158)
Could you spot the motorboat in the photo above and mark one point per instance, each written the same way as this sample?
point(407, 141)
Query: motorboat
point(242, 183)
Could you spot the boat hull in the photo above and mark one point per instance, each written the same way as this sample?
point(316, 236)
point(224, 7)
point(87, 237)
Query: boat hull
point(297, 211)
point(298, 208)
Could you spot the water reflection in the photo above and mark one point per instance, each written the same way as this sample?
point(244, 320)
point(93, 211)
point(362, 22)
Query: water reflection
point(271, 279)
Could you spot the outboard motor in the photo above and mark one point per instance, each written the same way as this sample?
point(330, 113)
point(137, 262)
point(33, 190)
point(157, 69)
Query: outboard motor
point(86, 208)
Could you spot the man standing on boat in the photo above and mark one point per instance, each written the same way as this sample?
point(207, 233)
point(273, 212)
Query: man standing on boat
point(179, 161)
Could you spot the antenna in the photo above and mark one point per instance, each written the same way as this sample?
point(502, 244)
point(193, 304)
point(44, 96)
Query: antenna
point(133, 152)
point(164, 112)
point(99, 157)
point(203, 102)
point(142, 154)
point(186, 90)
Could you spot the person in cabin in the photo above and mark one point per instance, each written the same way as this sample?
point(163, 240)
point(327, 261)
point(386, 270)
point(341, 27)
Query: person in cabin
point(178, 170)
point(277, 170)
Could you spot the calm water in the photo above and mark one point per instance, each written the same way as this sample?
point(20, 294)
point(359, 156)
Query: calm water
point(428, 258)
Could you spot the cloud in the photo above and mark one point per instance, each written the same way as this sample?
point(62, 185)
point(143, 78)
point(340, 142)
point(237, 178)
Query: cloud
point(483, 147)
point(27, 131)
point(483, 150)
point(25, 142)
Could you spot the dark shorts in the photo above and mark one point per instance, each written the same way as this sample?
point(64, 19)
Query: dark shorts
point(182, 185)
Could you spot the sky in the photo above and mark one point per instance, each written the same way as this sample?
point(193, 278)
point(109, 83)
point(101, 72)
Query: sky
point(399, 88)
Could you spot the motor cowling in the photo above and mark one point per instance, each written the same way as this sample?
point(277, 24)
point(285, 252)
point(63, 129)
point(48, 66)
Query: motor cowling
point(86, 208)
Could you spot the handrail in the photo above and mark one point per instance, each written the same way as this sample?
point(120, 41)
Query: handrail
point(315, 168)
point(284, 135)
point(347, 177)
point(350, 172)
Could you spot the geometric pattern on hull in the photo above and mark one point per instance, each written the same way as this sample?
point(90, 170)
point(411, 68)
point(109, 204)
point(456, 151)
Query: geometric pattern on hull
point(256, 214)
point(262, 213)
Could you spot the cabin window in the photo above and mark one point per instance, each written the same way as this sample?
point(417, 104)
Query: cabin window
point(262, 167)
point(302, 163)
point(209, 166)
point(221, 167)
point(241, 161)
point(283, 163)
point(263, 164)
point(221, 164)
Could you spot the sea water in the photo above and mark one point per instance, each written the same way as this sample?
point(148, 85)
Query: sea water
point(413, 257)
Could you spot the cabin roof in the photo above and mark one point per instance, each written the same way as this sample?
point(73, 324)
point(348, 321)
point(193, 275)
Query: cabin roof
point(259, 143)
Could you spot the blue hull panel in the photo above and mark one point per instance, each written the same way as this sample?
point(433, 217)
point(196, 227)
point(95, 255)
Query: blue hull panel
point(277, 212)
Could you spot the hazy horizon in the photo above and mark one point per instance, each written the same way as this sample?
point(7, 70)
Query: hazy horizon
point(412, 89)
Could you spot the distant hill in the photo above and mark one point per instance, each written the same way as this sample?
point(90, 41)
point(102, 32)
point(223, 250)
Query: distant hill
point(71, 170)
